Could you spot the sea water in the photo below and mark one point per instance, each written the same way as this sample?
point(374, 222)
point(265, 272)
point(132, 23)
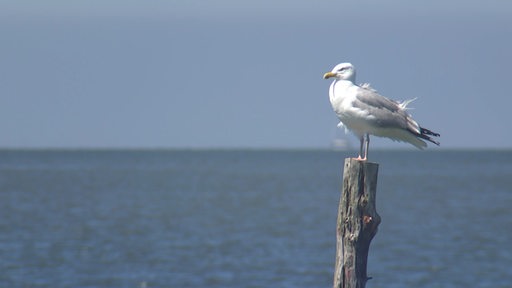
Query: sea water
point(171, 218)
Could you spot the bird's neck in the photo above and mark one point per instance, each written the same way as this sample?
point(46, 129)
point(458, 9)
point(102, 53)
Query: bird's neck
point(344, 83)
point(339, 85)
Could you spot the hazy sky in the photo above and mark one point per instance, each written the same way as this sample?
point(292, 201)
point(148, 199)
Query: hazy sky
point(246, 73)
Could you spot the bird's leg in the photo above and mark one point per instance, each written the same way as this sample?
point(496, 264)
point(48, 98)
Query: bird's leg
point(367, 146)
point(361, 145)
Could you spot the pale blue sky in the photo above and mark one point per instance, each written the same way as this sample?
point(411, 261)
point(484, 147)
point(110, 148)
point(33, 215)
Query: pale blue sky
point(241, 74)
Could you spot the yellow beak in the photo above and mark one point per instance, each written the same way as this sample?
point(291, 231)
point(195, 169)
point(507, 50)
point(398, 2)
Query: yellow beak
point(329, 75)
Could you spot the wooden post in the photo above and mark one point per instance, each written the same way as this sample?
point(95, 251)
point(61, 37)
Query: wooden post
point(357, 223)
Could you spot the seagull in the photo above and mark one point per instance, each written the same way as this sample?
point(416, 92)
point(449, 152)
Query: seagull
point(363, 111)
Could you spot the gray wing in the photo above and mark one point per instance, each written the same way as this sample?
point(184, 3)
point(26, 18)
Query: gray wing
point(386, 112)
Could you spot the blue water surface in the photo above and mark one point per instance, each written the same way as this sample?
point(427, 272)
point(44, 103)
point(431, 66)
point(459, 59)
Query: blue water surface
point(172, 218)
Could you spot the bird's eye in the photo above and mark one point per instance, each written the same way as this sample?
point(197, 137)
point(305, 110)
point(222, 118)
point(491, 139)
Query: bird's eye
point(342, 69)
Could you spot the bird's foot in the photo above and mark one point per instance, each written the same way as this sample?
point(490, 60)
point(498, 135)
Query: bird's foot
point(359, 158)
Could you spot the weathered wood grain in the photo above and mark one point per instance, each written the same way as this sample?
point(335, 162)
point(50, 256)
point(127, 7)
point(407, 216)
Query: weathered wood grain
point(357, 223)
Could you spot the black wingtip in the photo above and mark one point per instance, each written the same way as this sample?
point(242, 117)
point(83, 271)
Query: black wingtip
point(425, 134)
point(425, 131)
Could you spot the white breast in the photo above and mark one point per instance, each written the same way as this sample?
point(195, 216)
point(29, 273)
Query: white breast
point(342, 94)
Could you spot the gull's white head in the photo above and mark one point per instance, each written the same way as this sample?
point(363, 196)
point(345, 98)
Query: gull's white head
point(342, 71)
